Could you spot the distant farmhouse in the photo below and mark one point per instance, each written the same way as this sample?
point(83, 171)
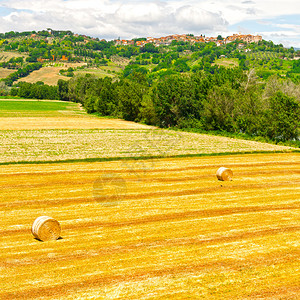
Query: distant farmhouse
point(167, 40)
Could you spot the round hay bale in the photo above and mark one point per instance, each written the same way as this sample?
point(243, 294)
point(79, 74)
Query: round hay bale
point(46, 228)
point(224, 174)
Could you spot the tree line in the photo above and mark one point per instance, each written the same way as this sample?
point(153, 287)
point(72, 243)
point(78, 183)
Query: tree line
point(37, 90)
point(21, 72)
point(226, 100)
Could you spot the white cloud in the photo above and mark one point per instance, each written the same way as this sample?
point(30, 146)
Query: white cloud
point(112, 18)
point(195, 17)
point(238, 11)
point(285, 37)
point(140, 13)
point(295, 28)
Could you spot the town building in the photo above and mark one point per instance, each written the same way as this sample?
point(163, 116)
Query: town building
point(167, 40)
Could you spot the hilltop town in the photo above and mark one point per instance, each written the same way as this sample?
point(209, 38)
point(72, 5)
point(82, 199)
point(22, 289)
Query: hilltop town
point(167, 40)
point(49, 36)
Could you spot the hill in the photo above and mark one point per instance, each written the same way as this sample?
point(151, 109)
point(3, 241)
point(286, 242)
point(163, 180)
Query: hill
point(18, 49)
point(140, 207)
point(235, 85)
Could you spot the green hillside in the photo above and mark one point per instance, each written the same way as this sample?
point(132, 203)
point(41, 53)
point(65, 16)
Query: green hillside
point(234, 87)
point(28, 51)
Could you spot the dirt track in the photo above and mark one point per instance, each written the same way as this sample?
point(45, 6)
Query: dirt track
point(161, 230)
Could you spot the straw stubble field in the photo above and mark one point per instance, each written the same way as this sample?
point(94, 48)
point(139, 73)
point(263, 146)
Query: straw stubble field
point(32, 131)
point(176, 232)
point(142, 229)
point(80, 144)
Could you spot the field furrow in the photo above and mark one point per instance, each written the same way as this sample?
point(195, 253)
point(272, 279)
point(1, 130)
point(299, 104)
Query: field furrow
point(153, 229)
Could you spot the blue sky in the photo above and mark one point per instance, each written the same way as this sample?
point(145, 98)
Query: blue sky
point(275, 20)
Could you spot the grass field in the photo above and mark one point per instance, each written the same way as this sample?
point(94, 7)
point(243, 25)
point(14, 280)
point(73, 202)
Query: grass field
point(5, 72)
point(7, 55)
point(48, 114)
point(110, 70)
point(227, 62)
point(101, 72)
point(37, 108)
point(49, 74)
point(170, 231)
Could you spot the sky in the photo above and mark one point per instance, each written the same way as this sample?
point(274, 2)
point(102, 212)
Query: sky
point(275, 20)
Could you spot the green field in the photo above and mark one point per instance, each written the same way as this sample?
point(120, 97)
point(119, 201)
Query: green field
point(111, 70)
point(227, 62)
point(35, 108)
point(98, 72)
point(20, 106)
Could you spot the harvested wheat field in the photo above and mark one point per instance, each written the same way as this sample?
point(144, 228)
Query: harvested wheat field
point(5, 72)
point(7, 55)
point(67, 122)
point(50, 73)
point(81, 144)
point(153, 229)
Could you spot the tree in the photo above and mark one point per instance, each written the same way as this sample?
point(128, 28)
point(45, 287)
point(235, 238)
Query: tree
point(287, 86)
point(219, 108)
point(89, 103)
point(63, 90)
point(132, 69)
point(149, 47)
point(282, 118)
point(130, 96)
point(180, 65)
point(147, 111)
point(106, 103)
point(174, 100)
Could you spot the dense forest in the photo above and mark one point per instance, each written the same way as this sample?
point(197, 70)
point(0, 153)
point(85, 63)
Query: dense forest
point(180, 85)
